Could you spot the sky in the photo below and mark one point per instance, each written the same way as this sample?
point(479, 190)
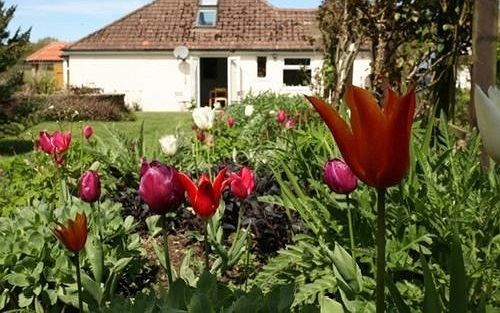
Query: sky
point(70, 20)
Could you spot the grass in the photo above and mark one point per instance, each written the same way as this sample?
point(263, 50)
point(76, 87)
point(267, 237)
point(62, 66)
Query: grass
point(156, 125)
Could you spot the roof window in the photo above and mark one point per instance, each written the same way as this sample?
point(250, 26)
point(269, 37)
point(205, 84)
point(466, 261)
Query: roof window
point(207, 13)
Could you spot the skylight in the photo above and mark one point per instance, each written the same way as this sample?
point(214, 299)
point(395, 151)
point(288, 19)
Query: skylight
point(207, 17)
point(207, 13)
point(208, 2)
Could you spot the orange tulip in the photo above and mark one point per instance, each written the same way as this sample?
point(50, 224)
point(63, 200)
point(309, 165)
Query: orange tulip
point(376, 145)
point(74, 235)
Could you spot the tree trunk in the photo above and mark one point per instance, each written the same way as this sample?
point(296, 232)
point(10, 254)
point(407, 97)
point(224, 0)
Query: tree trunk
point(484, 36)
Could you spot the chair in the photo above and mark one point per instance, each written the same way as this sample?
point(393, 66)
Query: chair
point(218, 97)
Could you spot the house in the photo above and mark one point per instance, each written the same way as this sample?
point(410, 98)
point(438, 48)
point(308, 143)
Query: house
point(171, 54)
point(48, 61)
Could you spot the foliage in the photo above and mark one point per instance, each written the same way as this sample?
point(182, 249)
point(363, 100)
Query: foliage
point(209, 296)
point(12, 47)
point(35, 272)
point(446, 190)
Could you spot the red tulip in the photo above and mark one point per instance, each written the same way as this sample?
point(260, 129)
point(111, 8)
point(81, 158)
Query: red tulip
point(90, 186)
point(281, 116)
point(159, 187)
point(206, 196)
point(376, 145)
point(230, 121)
point(339, 177)
point(243, 183)
point(88, 131)
point(74, 235)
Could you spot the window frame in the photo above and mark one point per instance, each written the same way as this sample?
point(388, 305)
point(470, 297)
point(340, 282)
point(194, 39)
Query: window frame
point(204, 10)
point(296, 67)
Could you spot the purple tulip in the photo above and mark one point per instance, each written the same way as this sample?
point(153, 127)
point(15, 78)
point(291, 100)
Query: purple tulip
point(159, 187)
point(339, 177)
point(90, 186)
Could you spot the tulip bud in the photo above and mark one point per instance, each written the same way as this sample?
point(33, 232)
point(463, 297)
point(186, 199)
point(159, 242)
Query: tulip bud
point(243, 183)
point(160, 188)
point(88, 131)
point(230, 121)
point(281, 116)
point(200, 135)
point(90, 186)
point(339, 177)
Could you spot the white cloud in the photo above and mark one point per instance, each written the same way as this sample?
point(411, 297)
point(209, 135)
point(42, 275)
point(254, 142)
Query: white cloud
point(88, 7)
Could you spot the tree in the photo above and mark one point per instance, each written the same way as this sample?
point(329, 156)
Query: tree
point(411, 42)
point(12, 48)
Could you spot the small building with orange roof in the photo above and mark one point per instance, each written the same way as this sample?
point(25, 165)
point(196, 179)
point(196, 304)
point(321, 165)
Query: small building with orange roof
point(49, 61)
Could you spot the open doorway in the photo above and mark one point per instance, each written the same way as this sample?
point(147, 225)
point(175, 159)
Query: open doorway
point(213, 82)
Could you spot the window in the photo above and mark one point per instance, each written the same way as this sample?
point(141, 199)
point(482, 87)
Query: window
point(208, 2)
point(207, 17)
point(297, 72)
point(207, 13)
point(261, 66)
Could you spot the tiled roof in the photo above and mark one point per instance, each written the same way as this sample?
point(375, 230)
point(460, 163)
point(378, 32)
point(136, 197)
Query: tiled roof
point(241, 25)
point(49, 53)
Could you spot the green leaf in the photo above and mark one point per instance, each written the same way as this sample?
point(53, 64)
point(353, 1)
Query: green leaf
point(431, 297)
point(396, 296)
point(24, 300)
point(176, 295)
point(95, 256)
point(346, 269)
point(18, 279)
point(328, 305)
point(92, 287)
point(160, 254)
point(280, 299)
point(458, 280)
point(121, 264)
point(4, 298)
point(200, 303)
point(153, 222)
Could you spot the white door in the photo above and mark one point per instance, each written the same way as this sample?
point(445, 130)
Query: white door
point(195, 79)
point(234, 80)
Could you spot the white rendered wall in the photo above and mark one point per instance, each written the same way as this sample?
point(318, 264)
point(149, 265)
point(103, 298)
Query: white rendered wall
point(274, 73)
point(361, 70)
point(154, 82)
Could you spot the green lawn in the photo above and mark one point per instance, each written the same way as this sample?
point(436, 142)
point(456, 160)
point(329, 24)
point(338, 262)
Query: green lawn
point(156, 124)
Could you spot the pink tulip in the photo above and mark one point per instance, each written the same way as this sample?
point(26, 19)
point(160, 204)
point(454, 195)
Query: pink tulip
point(45, 143)
point(230, 121)
point(90, 186)
point(88, 131)
point(339, 177)
point(243, 183)
point(281, 116)
point(56, 144)
point(290, 123)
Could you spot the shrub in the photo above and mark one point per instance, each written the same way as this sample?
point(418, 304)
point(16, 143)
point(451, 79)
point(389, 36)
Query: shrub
point(78, 107)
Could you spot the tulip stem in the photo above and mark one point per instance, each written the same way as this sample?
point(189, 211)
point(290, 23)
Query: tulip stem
point(351, 231)
point(79, 281)
point(168, 266)
point(207, 246)
point(380, 287)
point(99, 234)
